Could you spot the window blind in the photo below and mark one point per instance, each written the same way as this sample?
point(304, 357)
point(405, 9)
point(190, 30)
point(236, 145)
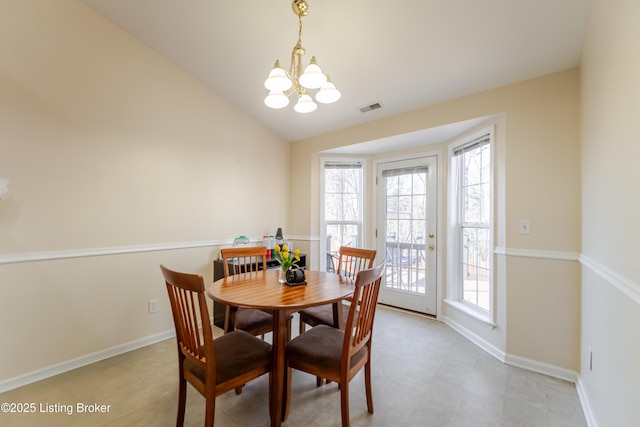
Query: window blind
point(404, 171)
point(343, 165)
point(472, 145)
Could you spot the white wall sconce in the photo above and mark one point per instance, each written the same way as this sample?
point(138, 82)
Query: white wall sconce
point(3, 186)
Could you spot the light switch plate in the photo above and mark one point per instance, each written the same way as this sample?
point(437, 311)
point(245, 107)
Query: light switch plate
point(524, 225)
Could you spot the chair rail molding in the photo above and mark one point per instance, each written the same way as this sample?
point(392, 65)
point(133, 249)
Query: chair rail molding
point(537, 253)
point(115, 250)
point(625, 285)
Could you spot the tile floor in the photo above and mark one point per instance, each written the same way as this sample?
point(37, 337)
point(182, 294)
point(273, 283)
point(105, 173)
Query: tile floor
point(424, 374)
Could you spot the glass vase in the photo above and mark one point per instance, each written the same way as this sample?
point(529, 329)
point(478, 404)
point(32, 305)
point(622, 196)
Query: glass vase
point(282, 278)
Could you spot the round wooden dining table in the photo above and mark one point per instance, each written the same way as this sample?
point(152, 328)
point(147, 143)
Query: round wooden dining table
point(263, 291)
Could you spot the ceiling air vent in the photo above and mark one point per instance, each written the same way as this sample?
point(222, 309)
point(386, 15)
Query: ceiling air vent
point(369, 107)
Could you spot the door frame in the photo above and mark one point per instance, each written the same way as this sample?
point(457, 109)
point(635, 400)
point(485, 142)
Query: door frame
point(440, 247)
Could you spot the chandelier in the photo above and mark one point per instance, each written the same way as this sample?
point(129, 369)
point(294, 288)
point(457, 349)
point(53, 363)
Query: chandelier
point(281, 84)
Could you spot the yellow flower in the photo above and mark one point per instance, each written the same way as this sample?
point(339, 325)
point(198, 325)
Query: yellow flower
point(285, 258)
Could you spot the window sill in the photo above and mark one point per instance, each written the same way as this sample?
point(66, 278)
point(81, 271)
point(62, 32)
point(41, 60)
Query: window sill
point(469, 311)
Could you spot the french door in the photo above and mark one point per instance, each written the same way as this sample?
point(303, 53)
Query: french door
point(406, 230)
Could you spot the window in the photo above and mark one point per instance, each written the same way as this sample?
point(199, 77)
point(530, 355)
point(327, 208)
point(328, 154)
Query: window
point(471, 223)
point(342, 207)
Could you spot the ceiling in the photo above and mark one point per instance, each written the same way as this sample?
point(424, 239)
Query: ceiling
point(403, 55)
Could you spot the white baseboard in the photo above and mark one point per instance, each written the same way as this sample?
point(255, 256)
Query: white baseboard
point(59, 368)
point(586, 408)
point(510, 359)
point(477, 340)
point(542, 368)
point(528, 364)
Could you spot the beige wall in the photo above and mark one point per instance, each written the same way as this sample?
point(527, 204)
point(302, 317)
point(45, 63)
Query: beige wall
point(110, 147)
point(611, 208)
point(537, 124)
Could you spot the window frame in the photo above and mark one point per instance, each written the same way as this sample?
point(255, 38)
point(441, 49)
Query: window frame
point(454, 296)
point(360, 223)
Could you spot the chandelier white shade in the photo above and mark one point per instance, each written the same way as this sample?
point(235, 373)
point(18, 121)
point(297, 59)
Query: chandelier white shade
point(276, 99)
point(278, 79)
point(328, 93)
point(305, 104)
point(312, 78)
point(299, 79)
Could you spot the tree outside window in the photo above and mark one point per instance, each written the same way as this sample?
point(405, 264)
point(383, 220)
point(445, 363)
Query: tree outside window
point(342, 213)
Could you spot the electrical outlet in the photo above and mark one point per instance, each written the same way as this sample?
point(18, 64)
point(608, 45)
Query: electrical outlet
point(153, 306)
point(524, 225)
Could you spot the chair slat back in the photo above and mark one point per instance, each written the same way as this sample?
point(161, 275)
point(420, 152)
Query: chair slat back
point(353, 260)
point(190, 313)
point(244, 259)
point(359, 324)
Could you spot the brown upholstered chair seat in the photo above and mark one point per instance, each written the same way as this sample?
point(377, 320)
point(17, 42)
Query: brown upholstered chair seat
point(253, 321)
point(237, 353)
point(323, 315)
point(321, 346)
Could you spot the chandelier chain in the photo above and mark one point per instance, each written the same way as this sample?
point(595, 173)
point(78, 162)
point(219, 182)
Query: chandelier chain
point(297, 50)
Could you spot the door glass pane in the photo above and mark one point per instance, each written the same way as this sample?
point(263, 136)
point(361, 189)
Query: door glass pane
point(419, 207)
point(406, 198)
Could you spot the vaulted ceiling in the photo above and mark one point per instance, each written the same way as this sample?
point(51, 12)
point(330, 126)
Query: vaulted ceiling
point(401, 54)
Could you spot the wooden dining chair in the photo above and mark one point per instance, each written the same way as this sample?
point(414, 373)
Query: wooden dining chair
point(246, 260)
point(336, 354)
point(212, 367)
point(350, 262)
